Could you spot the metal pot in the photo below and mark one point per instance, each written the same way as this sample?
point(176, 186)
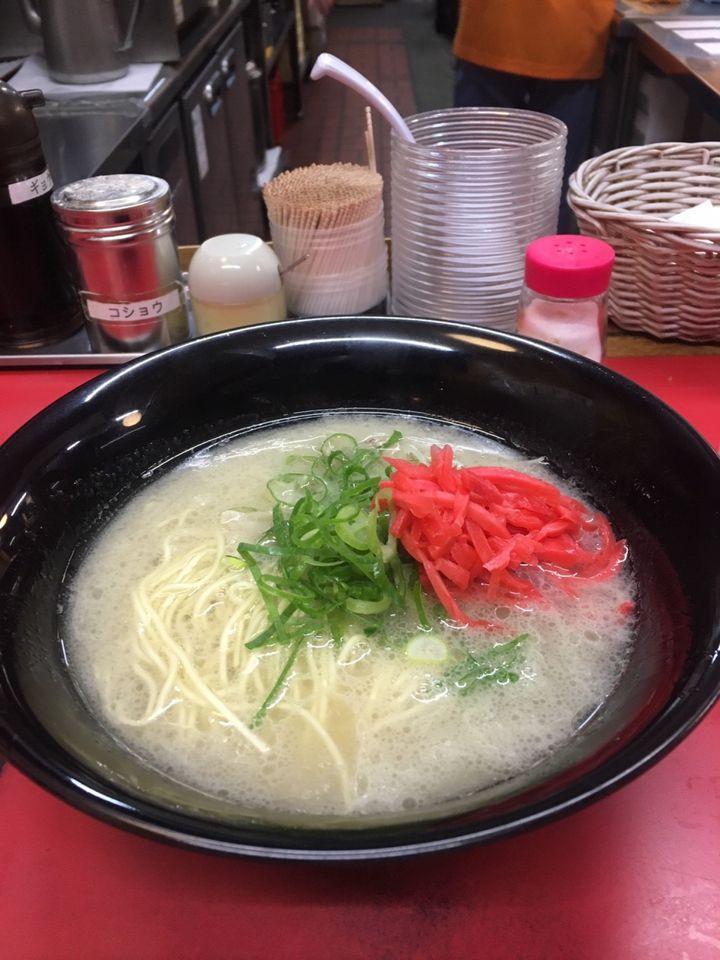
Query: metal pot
point(82, 38)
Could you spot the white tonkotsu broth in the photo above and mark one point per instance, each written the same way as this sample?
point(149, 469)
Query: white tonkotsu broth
point(156, 635)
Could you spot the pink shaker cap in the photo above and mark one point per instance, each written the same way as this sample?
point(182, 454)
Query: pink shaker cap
point(568, 266)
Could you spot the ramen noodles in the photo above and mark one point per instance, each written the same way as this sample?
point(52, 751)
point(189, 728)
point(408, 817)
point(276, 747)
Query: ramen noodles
point(206, 640)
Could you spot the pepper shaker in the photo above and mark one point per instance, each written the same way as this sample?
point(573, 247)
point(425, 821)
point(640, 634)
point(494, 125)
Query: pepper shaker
point(119, 228)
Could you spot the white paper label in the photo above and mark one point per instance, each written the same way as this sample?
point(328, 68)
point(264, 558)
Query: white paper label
point(200, 144)
point(134, 311)
point(25, 190)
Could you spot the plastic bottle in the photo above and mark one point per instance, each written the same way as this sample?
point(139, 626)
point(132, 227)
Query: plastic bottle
point(38, 302)
point(564, 297)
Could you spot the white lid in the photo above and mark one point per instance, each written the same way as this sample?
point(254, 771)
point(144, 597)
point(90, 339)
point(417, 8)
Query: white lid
point(233, 268)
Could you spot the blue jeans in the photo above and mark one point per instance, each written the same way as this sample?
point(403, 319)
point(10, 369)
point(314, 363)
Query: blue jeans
point(572, 101)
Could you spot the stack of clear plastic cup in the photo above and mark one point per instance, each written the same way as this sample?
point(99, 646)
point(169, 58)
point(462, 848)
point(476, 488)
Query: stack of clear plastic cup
point(343, 269)
point(468, 196)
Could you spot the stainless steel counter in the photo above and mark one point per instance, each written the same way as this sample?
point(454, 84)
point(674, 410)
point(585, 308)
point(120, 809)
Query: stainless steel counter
point(629, 11)
point(95, 133)
point(682, 58)
point(86, 137)
point(89, 135)
point(194, 50)
point(671, 54)
point(640, 43)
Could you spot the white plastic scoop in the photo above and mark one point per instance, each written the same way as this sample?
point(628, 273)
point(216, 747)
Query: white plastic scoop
point(327, 65)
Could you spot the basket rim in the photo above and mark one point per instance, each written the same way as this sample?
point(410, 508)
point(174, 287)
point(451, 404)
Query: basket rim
point(579, 197)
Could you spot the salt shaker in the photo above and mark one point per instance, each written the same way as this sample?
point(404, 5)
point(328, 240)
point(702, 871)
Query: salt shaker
point(119, 227)
point(564, 297)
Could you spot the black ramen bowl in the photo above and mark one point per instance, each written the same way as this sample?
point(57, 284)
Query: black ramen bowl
point(68, 470)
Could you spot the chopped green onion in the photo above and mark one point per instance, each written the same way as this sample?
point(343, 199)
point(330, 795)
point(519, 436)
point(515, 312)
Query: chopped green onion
point(427, 648)
point(419, 605)
point(499, 664)
point(367, 606)
point(271, 698)
point(328, 556)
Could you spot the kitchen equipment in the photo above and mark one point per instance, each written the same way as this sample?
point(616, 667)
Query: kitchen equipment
point(217, 120)
point(136, 81)
point(120, 229)
point(38, 303)
point(234, 280)
point(188, 11)
point(82, 39)
point(164, 155)
point(634, 457)
point(476, 186)
point(238, 109)
point(155, 37)
point(260, 121)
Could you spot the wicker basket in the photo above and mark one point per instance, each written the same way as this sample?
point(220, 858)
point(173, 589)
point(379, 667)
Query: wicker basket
point(666, 279)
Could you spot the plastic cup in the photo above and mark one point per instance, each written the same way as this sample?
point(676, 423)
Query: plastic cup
point(468, 196)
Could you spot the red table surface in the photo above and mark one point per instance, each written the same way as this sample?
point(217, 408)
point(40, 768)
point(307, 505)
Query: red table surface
point(636, 875)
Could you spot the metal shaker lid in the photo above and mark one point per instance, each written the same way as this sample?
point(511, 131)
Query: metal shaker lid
point(121, 200)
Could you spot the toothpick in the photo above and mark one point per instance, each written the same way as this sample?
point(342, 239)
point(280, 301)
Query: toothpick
point(370, 140)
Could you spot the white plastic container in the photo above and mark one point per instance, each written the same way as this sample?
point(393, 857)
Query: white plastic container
point(342, 270)
point(234, 280)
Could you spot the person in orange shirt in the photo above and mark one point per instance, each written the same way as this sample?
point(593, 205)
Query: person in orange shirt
point(543, 55)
